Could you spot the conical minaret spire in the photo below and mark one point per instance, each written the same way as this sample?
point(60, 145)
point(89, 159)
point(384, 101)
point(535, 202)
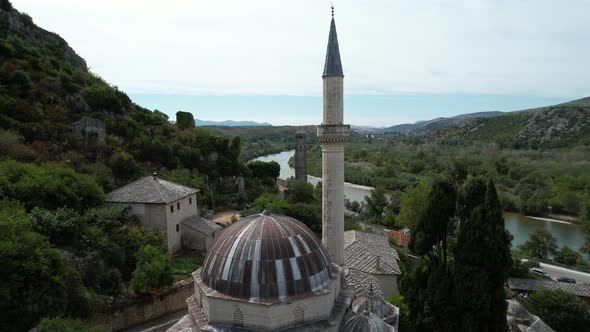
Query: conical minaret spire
point(333, 64)
point(332, 135)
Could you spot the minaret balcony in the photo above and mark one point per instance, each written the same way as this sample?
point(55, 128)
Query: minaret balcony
point(331, 133)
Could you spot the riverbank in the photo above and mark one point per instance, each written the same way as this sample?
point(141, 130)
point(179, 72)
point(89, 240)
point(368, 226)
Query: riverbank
point(553, 220)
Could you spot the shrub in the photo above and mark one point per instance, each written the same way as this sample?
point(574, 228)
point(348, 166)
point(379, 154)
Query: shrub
point(153, 270)
point(66, 325)
point(560, 310)
point(48, 186)
point(101, 97)
point(35, 281)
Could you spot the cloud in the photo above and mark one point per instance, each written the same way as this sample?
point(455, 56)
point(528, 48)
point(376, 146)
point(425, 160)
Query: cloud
point(277, 47)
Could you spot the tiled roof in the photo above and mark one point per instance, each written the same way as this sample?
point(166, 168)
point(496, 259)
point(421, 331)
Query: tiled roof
point(539, 326)
point(201, 225)
point(370, 253)
point(361, 283)
point(149, 189)
point(582, 290)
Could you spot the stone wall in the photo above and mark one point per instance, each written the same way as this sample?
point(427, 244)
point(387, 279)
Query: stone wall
point(136, 311)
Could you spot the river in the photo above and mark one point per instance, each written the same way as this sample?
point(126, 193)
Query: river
point(518, 225)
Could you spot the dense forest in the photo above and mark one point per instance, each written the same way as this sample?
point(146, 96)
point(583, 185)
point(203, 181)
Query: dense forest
point(531, 181)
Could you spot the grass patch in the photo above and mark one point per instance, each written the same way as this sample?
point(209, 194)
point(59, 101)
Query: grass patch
point(185, 265)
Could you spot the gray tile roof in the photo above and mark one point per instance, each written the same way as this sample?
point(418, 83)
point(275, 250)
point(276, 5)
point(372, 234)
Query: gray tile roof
point(539, 326)
point(582, 290)
point(333, 65)
point(201, 225)
point(366, 252)
point(149, 189)
point(361, 283)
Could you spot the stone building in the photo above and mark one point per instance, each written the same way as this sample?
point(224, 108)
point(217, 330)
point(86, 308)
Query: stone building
point(372, 254)
point(301, 155)
point(169, 207)
point(269, 272)
point(92, 131)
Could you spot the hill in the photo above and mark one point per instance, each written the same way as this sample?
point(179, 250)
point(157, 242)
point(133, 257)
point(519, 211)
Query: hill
point(230, 123)
point(562, 125)
point(46, 89)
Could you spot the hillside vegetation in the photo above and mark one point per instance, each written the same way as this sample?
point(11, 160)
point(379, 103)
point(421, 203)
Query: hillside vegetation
point(559, 126)
point(64, 253)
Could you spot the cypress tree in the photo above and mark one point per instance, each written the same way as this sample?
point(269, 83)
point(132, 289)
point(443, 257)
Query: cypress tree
point(482, 259)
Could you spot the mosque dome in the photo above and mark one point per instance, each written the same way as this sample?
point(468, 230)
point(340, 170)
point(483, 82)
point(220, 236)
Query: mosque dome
point(367, 322)
point(374, 304)
point(267, 258)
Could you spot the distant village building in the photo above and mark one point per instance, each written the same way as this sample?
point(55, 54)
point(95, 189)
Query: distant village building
point(92, 131)
point(372, 254)
point(400, 238)
point(169, 207)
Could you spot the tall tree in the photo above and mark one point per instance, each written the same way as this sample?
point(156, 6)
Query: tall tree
point(376, 204)
point(482, 259)
point(541, 244)
point(431, 299)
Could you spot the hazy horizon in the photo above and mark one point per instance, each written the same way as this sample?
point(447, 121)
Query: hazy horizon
point(404, 61)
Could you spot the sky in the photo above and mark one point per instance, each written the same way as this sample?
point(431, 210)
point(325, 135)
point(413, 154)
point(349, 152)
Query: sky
point(404, 60)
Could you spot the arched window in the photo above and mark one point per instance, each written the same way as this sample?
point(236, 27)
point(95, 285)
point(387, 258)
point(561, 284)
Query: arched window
point(299, 315)
point(238, 317)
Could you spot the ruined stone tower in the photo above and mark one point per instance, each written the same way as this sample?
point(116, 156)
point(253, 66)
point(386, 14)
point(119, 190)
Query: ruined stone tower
point(332, 135)
point(301, 155)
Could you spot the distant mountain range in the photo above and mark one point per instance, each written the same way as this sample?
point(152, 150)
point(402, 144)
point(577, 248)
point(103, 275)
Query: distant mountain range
point(561, 125)
point(230, 123)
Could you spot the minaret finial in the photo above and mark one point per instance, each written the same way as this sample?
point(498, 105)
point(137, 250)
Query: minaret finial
point(332, 10)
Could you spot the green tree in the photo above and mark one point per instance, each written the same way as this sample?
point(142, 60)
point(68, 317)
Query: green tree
point(185, 120)
point(376, 203)
point(562, 311)
point(299, 191)
point(567, 256)
point(35, 281)
point(541, 244)
point(413, 204)
point(585, 219)
point(153, 270)
point(101, 97)
point(66, 325)
point(48, 186)
point(261, 169)
point(482, 260)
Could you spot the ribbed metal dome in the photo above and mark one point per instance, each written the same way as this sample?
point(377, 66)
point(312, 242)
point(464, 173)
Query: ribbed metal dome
point(267, 258)
point(367, 322)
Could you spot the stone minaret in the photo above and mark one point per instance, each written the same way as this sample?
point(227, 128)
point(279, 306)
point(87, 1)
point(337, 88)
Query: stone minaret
point(332, 134)
point(301, 156)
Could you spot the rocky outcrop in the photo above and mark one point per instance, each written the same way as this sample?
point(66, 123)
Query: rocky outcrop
point(22, 25)
point(555, 124)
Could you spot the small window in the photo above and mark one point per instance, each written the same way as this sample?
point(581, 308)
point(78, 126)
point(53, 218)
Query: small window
point(178, 206)
point(238, 317)
point(299, 315)
point(172, 208)
point(177, 227)
point(190, 200)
